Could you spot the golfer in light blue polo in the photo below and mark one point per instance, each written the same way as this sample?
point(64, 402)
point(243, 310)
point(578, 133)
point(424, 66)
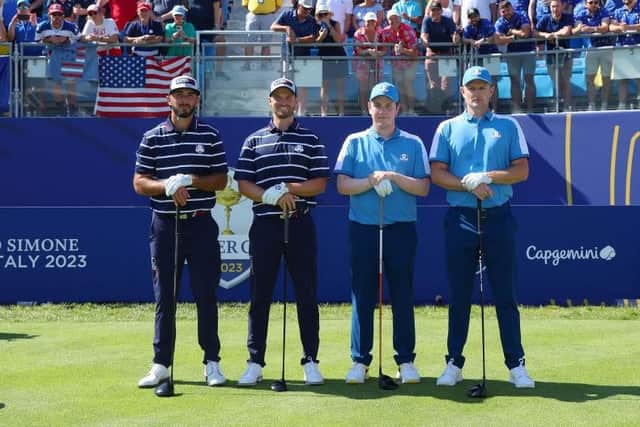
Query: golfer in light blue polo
point(382, 169)
point(479, 155)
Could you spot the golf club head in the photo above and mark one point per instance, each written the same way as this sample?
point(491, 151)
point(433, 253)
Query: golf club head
point(280, 385)
point(478, 391)
point(385, 382)
point(165, 388)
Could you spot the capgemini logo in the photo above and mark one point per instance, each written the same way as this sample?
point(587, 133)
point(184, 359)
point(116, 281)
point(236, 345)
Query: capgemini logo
point(607, 253)
point(554, 256)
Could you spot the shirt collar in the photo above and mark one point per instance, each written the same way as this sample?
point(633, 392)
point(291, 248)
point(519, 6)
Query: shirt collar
point(168, 124)
point(469, 118)
point(294, 125)
point(377, 137)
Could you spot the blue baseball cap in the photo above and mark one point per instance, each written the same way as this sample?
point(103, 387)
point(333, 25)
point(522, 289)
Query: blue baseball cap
point(476, 73)
point(24, 2)
point(179, 10)
point(385, 89)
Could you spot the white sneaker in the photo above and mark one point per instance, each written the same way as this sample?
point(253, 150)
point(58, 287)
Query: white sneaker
point(252, 376)
point(408, 373)
point(312, 375)
point(519, 377)
point(213, 375)
point(451, 376)
point(155, 376)
point(357, 374)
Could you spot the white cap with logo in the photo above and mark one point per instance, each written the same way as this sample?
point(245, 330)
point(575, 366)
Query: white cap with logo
point(184, 82)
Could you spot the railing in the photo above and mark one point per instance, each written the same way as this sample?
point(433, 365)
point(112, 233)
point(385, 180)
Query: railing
point(235, 83)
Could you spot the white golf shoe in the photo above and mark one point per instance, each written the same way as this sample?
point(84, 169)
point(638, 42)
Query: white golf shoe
point(408, 373)
point(312, 375)
point(252, 375)
point(213, 375)
point(519, 377)
point(155, 376)
point(451, 376)
point(357, 374)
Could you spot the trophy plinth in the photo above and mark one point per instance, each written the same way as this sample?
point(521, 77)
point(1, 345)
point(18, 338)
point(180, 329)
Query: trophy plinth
point(228, 198)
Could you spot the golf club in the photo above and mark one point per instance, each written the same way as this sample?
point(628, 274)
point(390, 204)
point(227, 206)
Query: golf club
point(281, 384)
point(165, 388)
point(480, 390)
point(385, 382)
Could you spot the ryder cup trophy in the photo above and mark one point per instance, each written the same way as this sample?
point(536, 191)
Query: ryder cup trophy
point(228, 198)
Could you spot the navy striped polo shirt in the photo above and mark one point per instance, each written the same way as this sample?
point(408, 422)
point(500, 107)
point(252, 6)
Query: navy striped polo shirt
point(164, 152)
point(270, 156)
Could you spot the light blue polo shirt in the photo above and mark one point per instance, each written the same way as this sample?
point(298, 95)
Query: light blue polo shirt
point(365, 152)
point(467, 144)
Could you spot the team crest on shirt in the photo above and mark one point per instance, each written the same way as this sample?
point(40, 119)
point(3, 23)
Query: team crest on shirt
point(234, 216)
point(298, 148)
point(199, 149)
point(495, 134)
point(404, 157)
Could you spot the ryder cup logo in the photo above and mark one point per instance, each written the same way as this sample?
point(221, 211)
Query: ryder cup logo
point(233, 215)
point(555, 256)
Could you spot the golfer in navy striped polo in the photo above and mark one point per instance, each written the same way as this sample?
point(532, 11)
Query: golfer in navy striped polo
point(181, 162)
point(282, 167)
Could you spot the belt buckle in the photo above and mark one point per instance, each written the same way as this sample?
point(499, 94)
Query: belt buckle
point(183, 216)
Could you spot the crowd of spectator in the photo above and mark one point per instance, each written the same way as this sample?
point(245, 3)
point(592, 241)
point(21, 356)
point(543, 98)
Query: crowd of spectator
point(400, 31)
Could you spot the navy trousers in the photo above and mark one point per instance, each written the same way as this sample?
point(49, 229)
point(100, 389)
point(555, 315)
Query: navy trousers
point(399, 253)
point(499, 251)
point(266, 249)
point(198, 245)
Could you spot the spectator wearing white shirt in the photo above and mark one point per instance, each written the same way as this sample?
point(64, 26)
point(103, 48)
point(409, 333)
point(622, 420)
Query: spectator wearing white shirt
point(488, 9)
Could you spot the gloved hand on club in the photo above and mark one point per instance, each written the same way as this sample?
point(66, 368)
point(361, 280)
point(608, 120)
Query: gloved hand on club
point(383, 188)
point(272, 194)
point(471, 180)
point(174, 182)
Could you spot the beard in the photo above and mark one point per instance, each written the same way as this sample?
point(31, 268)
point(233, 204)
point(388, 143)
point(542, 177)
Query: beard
point(183, 112)
point(283, 113)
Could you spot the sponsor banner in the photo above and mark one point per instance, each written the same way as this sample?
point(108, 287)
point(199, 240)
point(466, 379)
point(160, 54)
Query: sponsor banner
point(576, 159)
point(102, 255)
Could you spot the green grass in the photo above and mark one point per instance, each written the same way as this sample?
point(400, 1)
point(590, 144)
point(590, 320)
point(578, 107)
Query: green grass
point(66, 365)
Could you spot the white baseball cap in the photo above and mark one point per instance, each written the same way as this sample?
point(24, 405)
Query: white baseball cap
point(370, 16)
point(184, 82)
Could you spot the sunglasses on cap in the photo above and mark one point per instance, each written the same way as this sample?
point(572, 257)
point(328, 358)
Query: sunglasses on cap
point(56, 14)
point(323, 13)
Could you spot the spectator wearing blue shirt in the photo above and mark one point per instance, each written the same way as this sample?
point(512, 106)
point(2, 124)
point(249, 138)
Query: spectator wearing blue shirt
point(22, 29)
point(302, 29)
point(144, 31)
point(437, 28)
point(510, 27)
point(59, 36)
point(595, 19)
point(477, 157)
point(627, 20)
point(554, 28)
point(479, 35)
point(383, 170)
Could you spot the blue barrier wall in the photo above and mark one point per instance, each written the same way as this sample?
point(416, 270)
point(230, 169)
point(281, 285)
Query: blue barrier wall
point(74, 230)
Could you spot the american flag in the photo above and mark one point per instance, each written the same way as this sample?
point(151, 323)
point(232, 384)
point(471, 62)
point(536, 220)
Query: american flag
point(74, 69)
point(136, 86)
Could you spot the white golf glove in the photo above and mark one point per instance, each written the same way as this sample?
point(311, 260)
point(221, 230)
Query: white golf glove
point(272, 194)
point(174, 182)
point(383, 188)
point(471, 180)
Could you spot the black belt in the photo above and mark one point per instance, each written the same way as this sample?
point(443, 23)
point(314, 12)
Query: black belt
point(270, 13)
point(184, 216)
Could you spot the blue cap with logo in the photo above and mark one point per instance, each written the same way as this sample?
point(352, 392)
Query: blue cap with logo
point(477, 73)
point(385, 89)
point(184, 82)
